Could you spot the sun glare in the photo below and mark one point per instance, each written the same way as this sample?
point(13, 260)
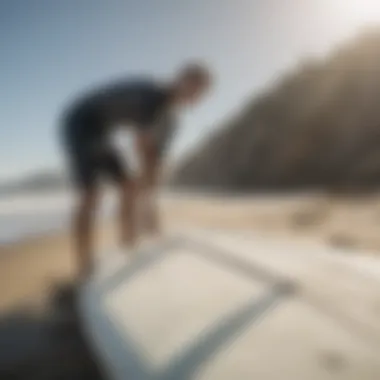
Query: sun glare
point(364, 11)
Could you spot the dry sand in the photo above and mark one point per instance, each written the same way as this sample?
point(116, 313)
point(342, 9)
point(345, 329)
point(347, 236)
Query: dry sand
point(350, 222)
point(29, 269)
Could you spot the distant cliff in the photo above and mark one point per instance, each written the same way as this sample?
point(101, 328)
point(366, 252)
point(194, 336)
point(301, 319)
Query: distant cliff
point(318, 127)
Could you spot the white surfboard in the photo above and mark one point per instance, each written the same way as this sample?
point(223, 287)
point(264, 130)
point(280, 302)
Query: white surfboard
point(213, 305)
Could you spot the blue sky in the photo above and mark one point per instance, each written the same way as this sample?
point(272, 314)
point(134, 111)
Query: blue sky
point(49, 50)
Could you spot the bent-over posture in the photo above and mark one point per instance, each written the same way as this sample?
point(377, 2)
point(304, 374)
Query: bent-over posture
point(88, 125)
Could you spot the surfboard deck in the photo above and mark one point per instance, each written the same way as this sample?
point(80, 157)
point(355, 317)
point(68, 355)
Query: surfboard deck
point(218, 305)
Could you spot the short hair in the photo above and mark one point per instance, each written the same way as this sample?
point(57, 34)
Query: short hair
point(196, 72)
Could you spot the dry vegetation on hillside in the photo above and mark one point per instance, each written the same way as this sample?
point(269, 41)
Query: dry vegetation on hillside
point(318, 127)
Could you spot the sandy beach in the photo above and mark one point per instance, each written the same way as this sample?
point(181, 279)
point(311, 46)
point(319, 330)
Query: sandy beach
point(31, 268)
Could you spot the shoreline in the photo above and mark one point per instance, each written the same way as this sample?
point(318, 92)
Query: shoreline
point(336, 221)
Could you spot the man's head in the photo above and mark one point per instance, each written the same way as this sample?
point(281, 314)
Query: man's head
point(191, 83)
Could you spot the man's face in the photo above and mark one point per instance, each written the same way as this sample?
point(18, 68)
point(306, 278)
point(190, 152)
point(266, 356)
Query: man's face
point(193, 91)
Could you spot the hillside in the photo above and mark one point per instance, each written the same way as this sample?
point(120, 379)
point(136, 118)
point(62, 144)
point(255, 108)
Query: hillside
point(317, 127)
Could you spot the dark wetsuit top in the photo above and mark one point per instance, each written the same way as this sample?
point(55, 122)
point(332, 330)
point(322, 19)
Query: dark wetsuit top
point(89, 122)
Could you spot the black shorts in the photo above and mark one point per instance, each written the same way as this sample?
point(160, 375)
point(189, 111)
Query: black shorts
point(92, 158)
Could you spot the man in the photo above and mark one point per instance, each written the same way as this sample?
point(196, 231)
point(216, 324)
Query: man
point(88, 125)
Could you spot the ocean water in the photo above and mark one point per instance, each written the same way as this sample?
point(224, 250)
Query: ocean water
point(26, 216)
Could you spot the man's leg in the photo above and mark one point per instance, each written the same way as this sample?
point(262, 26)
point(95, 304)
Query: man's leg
point(149, 210)
point(83, 164)
point(84, 170)
point(116, 169)
point(127, 217)
point(84, 230)
point(149, 201)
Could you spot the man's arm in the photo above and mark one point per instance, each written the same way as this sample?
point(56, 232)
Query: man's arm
point(152, 146)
